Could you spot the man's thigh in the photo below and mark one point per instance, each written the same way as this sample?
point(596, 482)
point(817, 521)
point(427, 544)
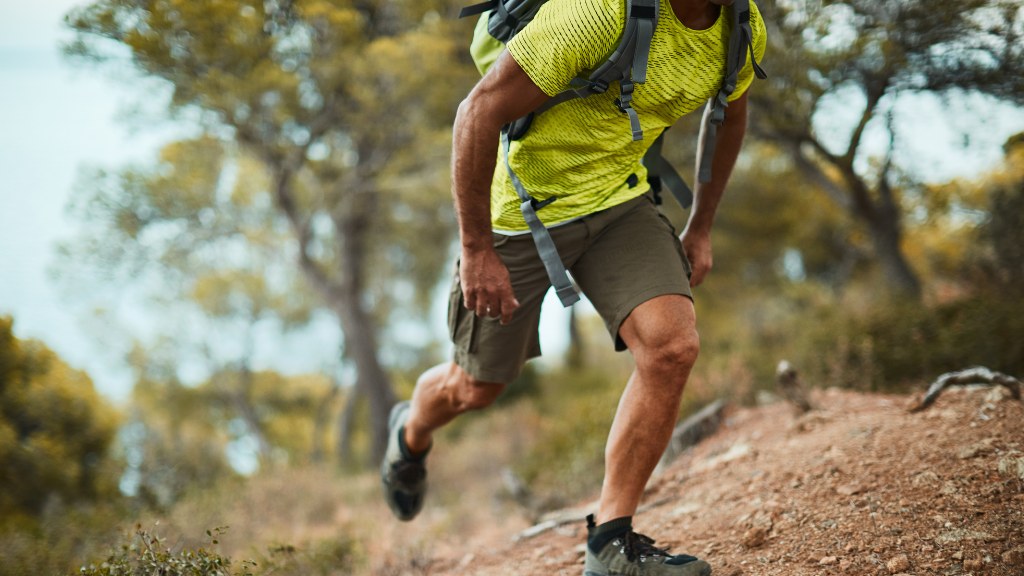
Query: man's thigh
point(634, 256)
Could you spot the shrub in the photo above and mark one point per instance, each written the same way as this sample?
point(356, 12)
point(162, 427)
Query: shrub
point(146, 555)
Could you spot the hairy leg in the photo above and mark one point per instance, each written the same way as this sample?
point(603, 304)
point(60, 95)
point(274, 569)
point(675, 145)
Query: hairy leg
point(662, 335)
point(442, 393)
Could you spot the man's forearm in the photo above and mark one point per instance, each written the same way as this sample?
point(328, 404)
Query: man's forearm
point(474, 150)
point(707, 195)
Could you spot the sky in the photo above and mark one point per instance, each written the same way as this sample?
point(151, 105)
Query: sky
point(56, 120)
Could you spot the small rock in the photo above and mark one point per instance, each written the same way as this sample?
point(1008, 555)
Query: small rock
point(755, 536)
point(1012, 466)
point(997, 395)
point(975, 564)
point(1014, 557)
point(958, 555)
point(898, 564)
point(973, 451)
point(849, 489)
point(828, 561)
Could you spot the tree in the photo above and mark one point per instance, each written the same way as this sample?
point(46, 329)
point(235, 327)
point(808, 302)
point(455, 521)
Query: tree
point(55, 430)
point(1004, 230)
point(347, 105)
point(858, 57)
point(180, 438)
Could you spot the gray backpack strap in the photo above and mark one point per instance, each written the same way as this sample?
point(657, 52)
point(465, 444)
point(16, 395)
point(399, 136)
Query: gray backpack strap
point(627, 65)
point(511, 16)
point(479, 8)
point(740, 43)
point(557, 273)
point(661, 174)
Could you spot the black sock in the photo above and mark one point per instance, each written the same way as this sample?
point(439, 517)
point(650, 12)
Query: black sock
point(598, 536)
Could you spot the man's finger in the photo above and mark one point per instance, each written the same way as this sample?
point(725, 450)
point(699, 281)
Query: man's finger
point(483, 307)
point(508, 307)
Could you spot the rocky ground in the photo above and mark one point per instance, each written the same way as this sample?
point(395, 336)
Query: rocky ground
point(859, 485)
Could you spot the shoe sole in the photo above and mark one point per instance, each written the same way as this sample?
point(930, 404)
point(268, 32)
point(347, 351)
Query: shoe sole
point(706, 572)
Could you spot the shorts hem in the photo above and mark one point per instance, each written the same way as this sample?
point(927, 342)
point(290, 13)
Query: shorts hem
point(631, 304)
point(492, 376)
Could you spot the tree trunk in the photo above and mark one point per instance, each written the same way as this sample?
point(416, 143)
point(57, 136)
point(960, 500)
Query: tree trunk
point(574, 357)
point(371, 380)
point(353, 220)
point(343, 291)
point(345, 422)
point(899, 277)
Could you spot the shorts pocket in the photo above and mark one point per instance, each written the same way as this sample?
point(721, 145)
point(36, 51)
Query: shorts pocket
point(462, 323)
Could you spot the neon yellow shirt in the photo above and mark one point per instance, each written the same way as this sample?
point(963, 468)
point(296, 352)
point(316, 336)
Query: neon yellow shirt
point(582, 151)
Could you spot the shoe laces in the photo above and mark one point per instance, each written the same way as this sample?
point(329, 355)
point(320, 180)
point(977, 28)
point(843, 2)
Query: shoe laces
point(636, 545)
point(408, 473)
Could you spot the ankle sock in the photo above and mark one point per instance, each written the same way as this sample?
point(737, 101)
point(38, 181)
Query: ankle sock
point(406, 452)
point(598, 536)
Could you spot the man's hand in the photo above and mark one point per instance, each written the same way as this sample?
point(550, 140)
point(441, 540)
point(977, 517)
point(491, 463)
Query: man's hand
point(697, 247)
point(486, 287)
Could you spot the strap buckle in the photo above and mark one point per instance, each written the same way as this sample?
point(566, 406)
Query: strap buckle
point(625, 99)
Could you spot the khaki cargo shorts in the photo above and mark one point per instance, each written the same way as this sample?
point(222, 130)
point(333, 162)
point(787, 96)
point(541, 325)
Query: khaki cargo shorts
point(619, 257)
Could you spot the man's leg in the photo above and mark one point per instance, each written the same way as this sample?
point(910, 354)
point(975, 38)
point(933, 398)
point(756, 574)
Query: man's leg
point(487, 355)
point(662, 335)
point(442, 393)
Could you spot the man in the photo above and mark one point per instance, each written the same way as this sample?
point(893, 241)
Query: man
point(622, 253)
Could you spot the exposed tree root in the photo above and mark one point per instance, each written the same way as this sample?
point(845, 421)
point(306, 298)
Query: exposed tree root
point(975, 375)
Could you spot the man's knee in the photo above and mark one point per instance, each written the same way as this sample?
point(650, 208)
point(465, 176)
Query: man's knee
point(465, 392)
point(674, 354)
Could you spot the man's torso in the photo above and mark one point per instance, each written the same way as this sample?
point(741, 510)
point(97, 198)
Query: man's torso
point(582, 151)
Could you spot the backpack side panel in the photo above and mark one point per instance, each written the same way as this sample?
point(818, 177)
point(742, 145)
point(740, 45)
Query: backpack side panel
point(484, 49)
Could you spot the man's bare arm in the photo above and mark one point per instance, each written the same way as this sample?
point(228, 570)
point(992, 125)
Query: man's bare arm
point(696, 238)
point(503, 95)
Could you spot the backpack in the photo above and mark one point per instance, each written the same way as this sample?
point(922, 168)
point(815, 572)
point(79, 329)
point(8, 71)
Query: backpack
point(627, 66)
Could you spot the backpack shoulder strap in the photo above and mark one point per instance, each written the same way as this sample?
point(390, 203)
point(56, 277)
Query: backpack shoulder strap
point(740, 43)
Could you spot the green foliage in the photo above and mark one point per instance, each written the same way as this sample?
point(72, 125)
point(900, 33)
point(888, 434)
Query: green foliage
point(347, 106)
point(343, 108)
point(146, 554)
point(55, 430)
point(576, 410)
point(892, 346)
point(1004, 231)
point(837, 70)
point(179, 436)
point(56, 541)
point(333, 557)
point(904, 345)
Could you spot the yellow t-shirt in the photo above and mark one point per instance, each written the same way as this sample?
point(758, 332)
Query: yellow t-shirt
point(582, 151)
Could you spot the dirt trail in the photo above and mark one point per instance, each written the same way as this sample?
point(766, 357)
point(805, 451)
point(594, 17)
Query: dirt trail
point(857, 486)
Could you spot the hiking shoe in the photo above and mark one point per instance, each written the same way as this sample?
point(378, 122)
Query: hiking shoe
point(403, 476)
point(633, 554)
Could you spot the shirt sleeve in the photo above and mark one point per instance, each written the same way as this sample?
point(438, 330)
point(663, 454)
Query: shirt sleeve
point(567, 38)
point(760, 33)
